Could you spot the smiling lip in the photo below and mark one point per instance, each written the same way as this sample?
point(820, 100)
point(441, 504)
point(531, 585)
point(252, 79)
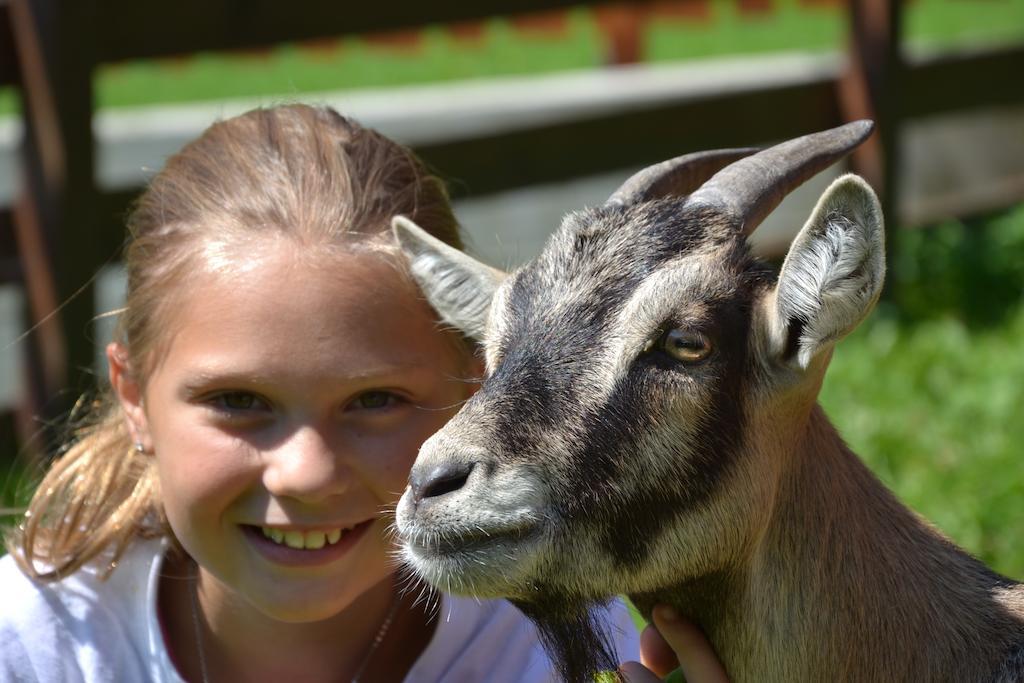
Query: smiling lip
point(294, 557)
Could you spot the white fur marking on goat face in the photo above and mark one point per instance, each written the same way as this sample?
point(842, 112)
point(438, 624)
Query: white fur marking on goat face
point(508, 500)
point(496, 322)
point(665, 294)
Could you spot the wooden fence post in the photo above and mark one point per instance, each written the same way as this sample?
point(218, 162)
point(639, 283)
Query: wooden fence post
point(870, 89)
point(55, 213)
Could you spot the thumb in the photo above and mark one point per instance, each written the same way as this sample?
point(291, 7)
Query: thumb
point(697, 657)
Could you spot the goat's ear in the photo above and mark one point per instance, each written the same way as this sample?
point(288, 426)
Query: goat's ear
point(459, 287)
point(832, 275)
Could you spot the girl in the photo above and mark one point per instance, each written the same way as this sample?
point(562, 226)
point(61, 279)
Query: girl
point(223, 515)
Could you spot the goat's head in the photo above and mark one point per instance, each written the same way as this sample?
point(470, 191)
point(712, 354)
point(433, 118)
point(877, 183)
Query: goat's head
point(638, 372)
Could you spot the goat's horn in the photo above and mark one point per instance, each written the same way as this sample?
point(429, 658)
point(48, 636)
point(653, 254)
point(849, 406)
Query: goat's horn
point(675, 177)
point(751, 188)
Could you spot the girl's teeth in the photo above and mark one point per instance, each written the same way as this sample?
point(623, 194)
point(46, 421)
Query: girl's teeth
point(303, 540)
point(294, 539)
point(316, 539)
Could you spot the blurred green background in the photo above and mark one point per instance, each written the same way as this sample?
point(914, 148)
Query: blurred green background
point(501, 48)
point(928, 391)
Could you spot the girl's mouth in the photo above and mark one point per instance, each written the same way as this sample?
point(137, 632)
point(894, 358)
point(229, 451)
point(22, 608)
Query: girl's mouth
point(308, 540)
point(306, 546)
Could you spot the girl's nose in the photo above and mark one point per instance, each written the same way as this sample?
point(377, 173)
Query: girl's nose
point(305, 467)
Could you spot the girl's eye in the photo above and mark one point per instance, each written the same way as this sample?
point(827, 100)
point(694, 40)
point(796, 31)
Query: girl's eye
point(239, 401)
point(374, 400)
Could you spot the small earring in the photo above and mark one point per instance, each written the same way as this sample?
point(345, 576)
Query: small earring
point(139, 448)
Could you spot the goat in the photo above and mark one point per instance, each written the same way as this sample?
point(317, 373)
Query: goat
point(648, 425)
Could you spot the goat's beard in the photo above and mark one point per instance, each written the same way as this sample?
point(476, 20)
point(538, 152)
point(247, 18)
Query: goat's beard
point(574, 635)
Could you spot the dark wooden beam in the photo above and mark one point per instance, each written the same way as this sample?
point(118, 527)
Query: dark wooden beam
point(54, 216)
point(8, 59)
point(10, 267)
point(586, 146)
point(112, 209)
point(504, 161)
point(871, 89)
point(10, 444)
point(620, 140)
point(956, 81)
point(127, 29)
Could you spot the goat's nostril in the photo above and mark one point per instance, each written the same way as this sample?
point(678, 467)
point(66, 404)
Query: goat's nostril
point(442, 479)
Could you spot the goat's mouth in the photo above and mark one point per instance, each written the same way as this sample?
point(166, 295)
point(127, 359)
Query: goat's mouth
point(452, 542)
point(484, 562)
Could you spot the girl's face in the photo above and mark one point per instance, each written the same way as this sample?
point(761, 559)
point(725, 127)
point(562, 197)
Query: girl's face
point(293, 397)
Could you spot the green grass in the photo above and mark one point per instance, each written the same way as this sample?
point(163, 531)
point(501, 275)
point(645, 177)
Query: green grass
point(797, 26)
point(790, 26)
point(935, 410)
point(16, 486)
point(9, 103)
point(929, 391)
point(962, 22)
point(288, 71)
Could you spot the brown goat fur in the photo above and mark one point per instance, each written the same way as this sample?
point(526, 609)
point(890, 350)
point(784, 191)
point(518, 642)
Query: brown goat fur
point(648, 425)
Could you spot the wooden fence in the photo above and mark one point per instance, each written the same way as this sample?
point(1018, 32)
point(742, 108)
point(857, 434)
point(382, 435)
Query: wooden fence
point(61, 227)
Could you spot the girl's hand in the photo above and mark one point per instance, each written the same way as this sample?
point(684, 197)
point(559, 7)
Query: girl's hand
point(675, 643)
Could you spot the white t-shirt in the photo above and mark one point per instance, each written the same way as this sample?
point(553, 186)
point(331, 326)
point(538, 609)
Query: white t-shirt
point(88, 630)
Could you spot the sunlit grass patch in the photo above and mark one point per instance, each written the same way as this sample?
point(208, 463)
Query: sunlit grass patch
point(931, 394)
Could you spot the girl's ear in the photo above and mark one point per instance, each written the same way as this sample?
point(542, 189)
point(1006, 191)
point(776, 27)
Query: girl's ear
point(129, 395)
point(459, 287)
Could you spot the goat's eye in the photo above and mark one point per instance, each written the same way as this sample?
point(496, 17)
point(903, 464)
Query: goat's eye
point(684, 345)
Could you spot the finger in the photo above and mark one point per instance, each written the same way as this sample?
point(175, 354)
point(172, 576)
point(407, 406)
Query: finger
point(697, 658)
point(655, 652)
point(635, 672)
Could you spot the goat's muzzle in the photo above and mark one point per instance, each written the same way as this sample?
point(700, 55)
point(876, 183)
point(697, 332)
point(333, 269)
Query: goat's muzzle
point(468, 524)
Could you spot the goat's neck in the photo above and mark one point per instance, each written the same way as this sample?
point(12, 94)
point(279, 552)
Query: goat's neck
point(842, 579)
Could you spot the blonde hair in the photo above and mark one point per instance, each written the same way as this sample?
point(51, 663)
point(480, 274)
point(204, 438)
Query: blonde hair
point(296, 171)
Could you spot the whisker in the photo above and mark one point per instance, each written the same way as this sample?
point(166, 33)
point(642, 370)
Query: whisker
point(457, 404)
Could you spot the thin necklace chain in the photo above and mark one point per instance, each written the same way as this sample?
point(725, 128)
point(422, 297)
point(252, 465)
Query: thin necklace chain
point(382, 632)
point(194, 593)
